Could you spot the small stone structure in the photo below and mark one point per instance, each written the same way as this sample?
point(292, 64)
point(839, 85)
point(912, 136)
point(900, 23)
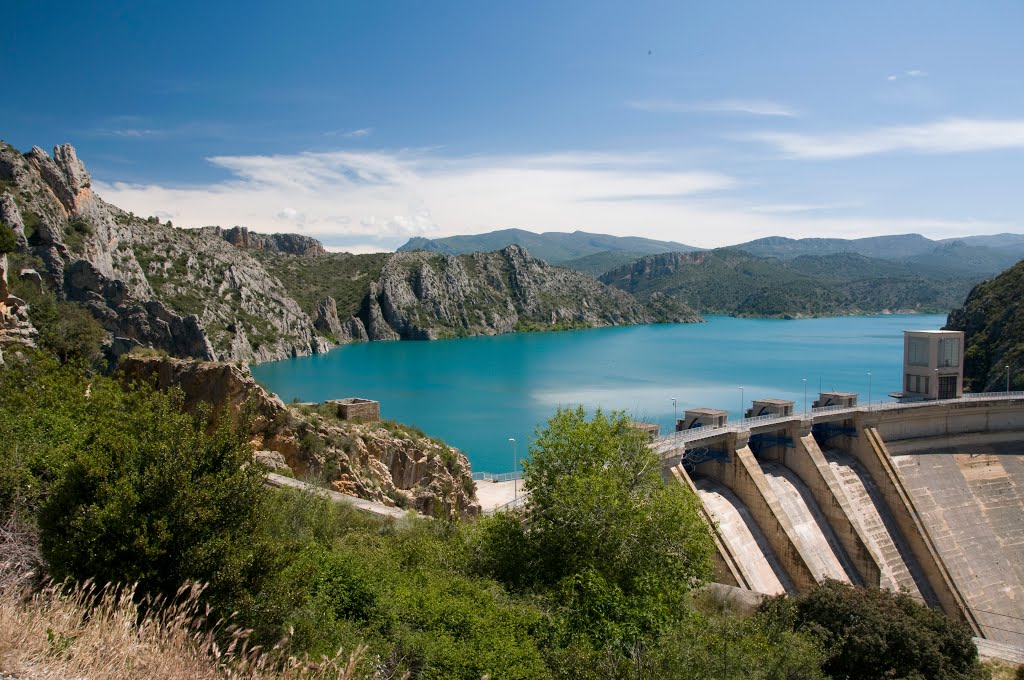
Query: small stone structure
point(356, 409)
point(843, 399)
point(702, 417)
point(770, 407)
point(652, 429)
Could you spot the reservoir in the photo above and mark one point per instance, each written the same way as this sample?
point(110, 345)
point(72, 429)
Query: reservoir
point(476, 393)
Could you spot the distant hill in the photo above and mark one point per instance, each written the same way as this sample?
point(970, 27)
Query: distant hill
point(973, 255)
point(554, 247)
point(887, 247)
point(992, 319)
point(731, 281)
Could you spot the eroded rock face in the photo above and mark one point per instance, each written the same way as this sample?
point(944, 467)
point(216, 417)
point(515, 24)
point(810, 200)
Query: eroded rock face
point(390, 466)
point(166, 276)
point(11, 216)
point(15, 328)
point(133, 323)
point(425, 296)
point(290, 244)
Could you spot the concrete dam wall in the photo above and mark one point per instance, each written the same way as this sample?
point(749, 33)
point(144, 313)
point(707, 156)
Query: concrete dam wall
point(925, 499)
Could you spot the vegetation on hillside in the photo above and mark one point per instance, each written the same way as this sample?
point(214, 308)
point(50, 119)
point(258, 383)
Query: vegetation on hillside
point(343, 276)
point(992, 319)
point(729, 281)
point(595, 577)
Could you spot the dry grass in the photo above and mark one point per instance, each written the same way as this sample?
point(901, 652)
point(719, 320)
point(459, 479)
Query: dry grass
point(1000, 670)
point(85, 632)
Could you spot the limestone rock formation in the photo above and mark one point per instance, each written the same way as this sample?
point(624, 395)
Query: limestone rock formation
point(15, 328)
point(289, 244)
point(376, 461)
point(425, 296)
point(163, 276)
point(327, 317)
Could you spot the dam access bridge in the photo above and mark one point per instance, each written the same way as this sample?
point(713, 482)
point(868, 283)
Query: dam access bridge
point(926, 498)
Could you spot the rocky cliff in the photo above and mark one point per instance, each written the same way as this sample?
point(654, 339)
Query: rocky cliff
point(288, 244)
point(992, 319)
point(190, 293)
point(426, 296)
point(380, 461)
point(236, 295)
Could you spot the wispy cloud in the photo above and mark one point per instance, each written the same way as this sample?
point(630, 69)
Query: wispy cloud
point(409, 193)
point(952, 135)
point(912, 73)
point(377, 199)
point(753, 107)
point(350, 134)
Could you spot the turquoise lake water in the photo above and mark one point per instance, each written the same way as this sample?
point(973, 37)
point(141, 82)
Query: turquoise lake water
point(476, 393)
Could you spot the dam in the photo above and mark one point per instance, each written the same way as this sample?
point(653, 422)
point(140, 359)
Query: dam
point(924, 498)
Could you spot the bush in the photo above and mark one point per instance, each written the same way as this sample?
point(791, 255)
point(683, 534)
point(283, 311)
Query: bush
point(8, 241)
point(146, 495)
point(872, 633)
point(66, 328)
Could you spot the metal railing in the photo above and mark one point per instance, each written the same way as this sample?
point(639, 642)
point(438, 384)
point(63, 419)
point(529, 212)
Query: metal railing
point(670, 441)
point(499, 477)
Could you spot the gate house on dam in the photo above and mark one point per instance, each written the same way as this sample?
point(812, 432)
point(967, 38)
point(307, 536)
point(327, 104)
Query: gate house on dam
point(924, 496)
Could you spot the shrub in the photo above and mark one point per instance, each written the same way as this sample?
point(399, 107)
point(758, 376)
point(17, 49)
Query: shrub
point(8, 241)
point(147, 496)
point(872, 633)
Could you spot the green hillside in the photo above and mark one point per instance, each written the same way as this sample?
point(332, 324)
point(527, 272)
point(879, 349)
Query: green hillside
point(992, 319)
point(731, 281)
point(553, 247)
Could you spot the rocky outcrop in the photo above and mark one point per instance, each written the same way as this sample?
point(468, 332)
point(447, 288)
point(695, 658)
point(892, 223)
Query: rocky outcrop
point(15, 328)
point(327, 317)
point(387, 464)
point(11, 216)
point(425, 296)
point(132, 323)
point(289, 244)
point(64, 174)
point(176, 284)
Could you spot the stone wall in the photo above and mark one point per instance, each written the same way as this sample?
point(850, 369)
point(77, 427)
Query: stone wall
point(357, 410)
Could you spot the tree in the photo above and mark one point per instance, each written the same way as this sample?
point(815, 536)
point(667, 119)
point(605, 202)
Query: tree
point(147, 495)
point(871, 633)
point(602, 533)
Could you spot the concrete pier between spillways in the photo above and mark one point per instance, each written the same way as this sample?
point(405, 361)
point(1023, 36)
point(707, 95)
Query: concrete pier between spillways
point(925, 498)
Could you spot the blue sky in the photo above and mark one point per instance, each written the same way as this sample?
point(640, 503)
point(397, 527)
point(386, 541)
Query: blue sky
point(367, 123)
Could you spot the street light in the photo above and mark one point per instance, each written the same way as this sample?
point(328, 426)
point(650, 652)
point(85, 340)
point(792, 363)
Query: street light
point(675, 418)
point(515, 464)
point(1007, 379)
point(869, 388)
point(741, 403)
point(805, 394)
point(936, 383)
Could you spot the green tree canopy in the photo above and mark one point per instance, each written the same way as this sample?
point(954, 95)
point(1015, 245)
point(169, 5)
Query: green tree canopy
point(602, 532)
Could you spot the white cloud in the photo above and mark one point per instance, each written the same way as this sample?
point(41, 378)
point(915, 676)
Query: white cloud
point(350, 134)
point(386, 197)
point(754, 107)
point(952, 135)
point(912, 73)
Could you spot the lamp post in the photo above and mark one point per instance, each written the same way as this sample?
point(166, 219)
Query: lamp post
point(936, 384)
point(869, 388)
point(515, 464)
point(1007, 379)
point(741, 402)
point(675, 418)
point(805, 395)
